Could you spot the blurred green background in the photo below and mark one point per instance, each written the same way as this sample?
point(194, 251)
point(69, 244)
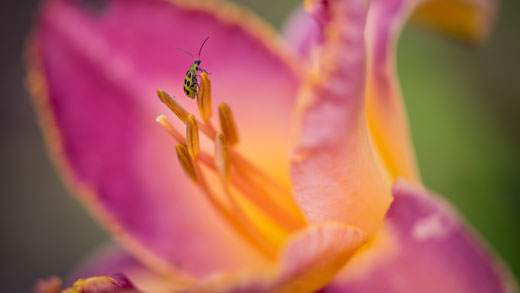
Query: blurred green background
point(463, 109)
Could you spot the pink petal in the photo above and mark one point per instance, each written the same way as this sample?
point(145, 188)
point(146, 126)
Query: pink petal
point(312, 257)
point(385, 110)
point(308, 261)
point(424, 246)
point(94, 72)
point(467, 20)
point(303, 32)
point(336, 173)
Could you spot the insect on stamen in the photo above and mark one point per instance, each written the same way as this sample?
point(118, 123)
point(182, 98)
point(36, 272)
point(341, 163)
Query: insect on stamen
point(191, 86)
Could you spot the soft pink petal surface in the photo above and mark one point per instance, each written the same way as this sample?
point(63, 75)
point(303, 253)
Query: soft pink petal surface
point(424, 246)
point(335, 170)
point(309, 260)
point(303, 32)
point(101, 66)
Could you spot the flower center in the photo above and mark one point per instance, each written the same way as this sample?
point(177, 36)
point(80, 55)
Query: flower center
point(253, 203)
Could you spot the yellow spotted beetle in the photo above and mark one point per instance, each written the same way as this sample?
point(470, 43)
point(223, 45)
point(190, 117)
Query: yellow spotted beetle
point(191, 86)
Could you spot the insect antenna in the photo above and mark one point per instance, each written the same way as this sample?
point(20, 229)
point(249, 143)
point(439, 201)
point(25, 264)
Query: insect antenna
point(200, 50)
point(181, 49)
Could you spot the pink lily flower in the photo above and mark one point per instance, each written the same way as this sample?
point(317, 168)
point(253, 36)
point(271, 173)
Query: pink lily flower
point(252, 205)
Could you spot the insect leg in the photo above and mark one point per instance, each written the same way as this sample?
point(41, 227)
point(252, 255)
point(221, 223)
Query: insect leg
point(203, 70)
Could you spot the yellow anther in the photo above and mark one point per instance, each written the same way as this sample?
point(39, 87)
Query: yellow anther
point(176, 108)
point(222, 156)
point(185, 160)
point(204, 97)
point(227, 124)
point(192, 137)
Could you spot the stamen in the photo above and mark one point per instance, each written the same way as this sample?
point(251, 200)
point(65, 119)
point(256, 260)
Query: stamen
point(227, 124)
point(257, 206)
point(204, 98)
point(185, 161)
point(222, 156)
point(192, 137)
point(209, 131)
point(165, 123)
point(176, 108)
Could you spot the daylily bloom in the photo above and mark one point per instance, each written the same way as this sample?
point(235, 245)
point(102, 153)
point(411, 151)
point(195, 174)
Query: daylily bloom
point(252, 205)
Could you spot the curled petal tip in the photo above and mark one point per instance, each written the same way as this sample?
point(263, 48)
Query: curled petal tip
point(468, 21)
point(318, 9)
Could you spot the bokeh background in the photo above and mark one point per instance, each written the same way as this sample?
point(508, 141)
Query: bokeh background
point(463, 109)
